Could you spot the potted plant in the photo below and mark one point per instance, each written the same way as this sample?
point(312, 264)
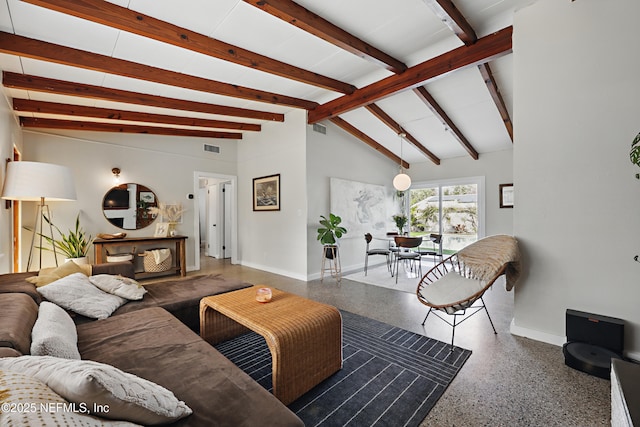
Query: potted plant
point(329, 233)
point(74, 245)
point(401, 221)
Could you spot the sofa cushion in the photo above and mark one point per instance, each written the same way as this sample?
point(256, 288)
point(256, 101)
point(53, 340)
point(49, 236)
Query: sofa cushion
point(48, 275)
point(124, 287)
point(76, 293)
point(98, 385)
point(18, 313)
point(153, 344)
point(25, 397)
point(182, 297)
point(54, 333)
point(116, 268)
point(17, 283)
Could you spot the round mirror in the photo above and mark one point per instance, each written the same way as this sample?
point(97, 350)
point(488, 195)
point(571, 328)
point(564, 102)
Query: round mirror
point(126, 206)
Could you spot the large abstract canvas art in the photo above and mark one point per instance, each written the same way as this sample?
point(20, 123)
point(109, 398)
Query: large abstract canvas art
point(364, 208)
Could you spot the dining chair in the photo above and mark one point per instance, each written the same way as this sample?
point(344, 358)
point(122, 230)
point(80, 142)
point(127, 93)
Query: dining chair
point(409, 254)
point(375, 251)
point(435, 248)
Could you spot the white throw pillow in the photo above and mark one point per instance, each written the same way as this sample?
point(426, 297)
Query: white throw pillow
point(118, 285)
point(76, 293)
point(97, 385)
point(54, 333)
point(28, 402)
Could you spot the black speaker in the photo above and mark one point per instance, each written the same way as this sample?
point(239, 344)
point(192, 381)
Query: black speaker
point(592, 341)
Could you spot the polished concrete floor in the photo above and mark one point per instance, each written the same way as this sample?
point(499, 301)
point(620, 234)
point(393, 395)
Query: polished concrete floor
point(507, 381)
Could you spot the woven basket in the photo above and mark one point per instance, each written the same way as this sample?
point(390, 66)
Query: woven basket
point(150, 265)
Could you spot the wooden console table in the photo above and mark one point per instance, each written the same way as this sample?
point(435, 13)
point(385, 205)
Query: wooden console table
point(101, 246)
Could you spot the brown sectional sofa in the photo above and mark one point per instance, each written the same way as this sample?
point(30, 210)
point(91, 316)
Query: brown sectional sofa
point(155, 339)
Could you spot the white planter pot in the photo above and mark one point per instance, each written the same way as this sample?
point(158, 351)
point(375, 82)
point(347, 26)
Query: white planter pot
point(80, 261)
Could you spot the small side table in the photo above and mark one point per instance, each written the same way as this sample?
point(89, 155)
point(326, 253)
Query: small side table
point(331, 262)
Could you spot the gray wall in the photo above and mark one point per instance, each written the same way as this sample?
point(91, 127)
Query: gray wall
point(577, 205)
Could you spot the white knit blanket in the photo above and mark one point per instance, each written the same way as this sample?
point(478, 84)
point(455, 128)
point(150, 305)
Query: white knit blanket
point(487, 256)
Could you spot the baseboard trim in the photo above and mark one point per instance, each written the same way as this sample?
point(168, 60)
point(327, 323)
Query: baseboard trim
point(286, 273)
point(536, 335)
point(555, 339)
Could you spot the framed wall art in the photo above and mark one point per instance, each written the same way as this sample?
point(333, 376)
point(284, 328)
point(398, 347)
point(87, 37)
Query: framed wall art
point(266, 193)
point(506, 195)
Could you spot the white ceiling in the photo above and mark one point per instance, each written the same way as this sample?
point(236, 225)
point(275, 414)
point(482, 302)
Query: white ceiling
point(404, 29)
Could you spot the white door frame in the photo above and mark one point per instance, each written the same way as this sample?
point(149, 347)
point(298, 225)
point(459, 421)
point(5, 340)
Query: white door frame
point(197, 175)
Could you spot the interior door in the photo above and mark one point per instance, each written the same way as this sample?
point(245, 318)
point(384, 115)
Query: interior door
point(227, 219)
point(213, 216)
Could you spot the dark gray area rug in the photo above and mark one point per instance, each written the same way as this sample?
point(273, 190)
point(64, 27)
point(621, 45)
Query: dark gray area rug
point(390, 376)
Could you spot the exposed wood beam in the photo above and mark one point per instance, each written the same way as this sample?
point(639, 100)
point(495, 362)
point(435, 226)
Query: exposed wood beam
point(308, 21)
point(433, 105)
point(490, 81)
point(31, 122)
point(452, 18)
point(112, 15)
point(349, 128)
point(25, 105)
point(395, 126)
point(485, 49)
point(61, 87)
point(31, 48)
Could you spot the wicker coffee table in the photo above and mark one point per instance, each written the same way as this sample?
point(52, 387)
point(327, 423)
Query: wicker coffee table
point(304, 336)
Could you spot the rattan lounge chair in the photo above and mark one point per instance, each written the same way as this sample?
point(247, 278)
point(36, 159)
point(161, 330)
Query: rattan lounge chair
point(458, 283)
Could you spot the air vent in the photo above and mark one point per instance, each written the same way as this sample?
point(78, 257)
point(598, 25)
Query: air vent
point(317, 127)
point(211, 148)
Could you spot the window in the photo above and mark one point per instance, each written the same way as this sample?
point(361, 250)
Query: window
point(453, 208)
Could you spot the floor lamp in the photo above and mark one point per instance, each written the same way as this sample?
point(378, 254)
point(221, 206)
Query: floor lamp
point(39, 182)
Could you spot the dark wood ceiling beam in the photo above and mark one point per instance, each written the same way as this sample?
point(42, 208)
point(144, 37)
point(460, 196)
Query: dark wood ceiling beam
point(25, 105)
point(490, 81)
point(452, 18)
point(61, 87)
point(32, 122)
point(112, 15)
point(349, 128)
point(485, 49)
point(31, 48)
point(308, 21)
point(395, 126)
point(450, 15)
point(430, 102)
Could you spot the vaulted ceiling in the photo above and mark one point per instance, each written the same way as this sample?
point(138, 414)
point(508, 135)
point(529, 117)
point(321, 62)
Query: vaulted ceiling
point(437, 71)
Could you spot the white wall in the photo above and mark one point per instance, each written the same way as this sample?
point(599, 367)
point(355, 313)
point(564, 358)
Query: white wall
point(496, 167)
point(10, 136)
point(339, 155)
point(275, 241)
point(164, 164)
point(576, 111)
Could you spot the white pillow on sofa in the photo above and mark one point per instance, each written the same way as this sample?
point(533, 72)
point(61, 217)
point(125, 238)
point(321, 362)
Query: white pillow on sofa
point(54, 333)
point(98, 385)
point(34, 399)
point(118, 285)
point(76, 293)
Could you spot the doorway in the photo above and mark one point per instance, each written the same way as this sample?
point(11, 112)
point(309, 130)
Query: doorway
point(215, 217)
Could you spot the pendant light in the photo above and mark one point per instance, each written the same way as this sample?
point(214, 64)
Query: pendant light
point(402, 181)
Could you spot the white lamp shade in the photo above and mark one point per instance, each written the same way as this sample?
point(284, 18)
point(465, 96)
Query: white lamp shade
point(402, 182)
point(30, 181)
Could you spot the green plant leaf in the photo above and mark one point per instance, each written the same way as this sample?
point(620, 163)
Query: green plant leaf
point(635, 151)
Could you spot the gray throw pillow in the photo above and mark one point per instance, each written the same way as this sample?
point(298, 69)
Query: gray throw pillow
point(102, 388)
point(117, 285)
point(54, 333)
point(76, 293)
